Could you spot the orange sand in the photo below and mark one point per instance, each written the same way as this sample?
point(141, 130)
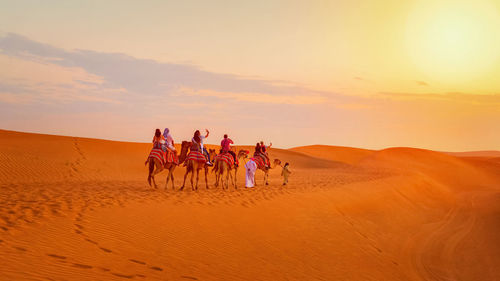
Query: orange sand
point(81, 209)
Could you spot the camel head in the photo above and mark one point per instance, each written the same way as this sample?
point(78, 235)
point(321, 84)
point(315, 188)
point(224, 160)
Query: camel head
point(184, 150)
point(243, 153)
point(276, 162)
point(212, 153)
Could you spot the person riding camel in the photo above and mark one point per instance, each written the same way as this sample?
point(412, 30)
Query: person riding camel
point(226, 147)
point(169, 141)
point(158, 143)
point(258, 153)
point(264, 151)
point(198, 145)
point(158, 139)
point(258, 150)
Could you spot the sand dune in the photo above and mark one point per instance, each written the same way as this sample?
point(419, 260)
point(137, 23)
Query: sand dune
point(486, 153)
point(348, 155)
point(80, 209)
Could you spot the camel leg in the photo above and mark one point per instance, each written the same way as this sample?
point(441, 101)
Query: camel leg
point(206, 176)
point(185, 176)
point(227, 178)
point(197, 178)
point(150, 169)
point(172, 177)
point(217, 177)
point(192, 176)
point(222, 177)
point(266, 178)
point(168, 178)
point(235, 173)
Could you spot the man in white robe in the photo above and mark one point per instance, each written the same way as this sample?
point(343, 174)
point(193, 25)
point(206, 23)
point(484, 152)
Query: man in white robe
point(250, 168)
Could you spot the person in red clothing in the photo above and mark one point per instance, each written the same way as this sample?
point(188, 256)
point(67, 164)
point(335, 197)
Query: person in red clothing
point(263, 149)
point(226, 146)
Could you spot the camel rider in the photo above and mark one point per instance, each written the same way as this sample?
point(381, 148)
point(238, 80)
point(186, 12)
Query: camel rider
point(258, 153)
point(169, 141)
point(158, 139)
point(226, 147)
point(258, 150)
point(198, 144)
point(264, 151)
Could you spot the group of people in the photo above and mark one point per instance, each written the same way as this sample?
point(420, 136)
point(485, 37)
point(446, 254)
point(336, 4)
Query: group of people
point(165, 142)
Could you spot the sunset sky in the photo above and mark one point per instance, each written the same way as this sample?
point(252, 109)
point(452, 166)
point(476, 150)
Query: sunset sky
point(371, 74)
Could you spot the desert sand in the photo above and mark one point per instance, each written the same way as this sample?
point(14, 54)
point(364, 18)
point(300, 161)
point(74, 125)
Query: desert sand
point(81, 209)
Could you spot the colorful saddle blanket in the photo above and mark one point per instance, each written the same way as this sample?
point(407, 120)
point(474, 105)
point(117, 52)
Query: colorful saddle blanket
point(157, 153)
point(172, 157)
point(226, 157)
point(260, 161)
point(196, 156)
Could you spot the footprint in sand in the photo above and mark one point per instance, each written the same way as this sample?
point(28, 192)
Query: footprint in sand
point(156, 268)
point(91, 241)
point(105, 250)
point(123, 275)
point(137, 261)
point(56, 256)
point(20, 249)
point(79, 265)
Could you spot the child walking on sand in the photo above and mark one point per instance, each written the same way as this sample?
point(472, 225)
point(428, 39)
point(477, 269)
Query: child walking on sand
point(285, 172)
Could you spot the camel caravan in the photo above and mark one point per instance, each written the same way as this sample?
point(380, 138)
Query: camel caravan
point(195, 157)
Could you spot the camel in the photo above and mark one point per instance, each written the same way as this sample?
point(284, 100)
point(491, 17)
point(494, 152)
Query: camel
point(276, 162)
point(221, 167)
point(191, 167)
point(155, 166)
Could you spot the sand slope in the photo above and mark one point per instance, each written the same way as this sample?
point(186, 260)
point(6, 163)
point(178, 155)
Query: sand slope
point(348, 155)
point(80, 209)
point(486, 153)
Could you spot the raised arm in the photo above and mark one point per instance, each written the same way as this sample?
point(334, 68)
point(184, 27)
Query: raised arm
point(208, 133)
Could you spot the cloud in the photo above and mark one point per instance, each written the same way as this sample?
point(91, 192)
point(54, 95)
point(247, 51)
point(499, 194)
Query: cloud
point(147, 77)
point(422, 83)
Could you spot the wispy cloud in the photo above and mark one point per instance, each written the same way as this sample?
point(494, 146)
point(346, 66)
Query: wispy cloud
point(149, 77)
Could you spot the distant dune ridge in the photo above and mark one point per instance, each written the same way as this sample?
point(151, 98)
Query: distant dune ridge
point(80, 209)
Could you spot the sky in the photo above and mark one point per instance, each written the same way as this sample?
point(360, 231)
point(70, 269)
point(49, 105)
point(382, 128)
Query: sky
point(370, 74)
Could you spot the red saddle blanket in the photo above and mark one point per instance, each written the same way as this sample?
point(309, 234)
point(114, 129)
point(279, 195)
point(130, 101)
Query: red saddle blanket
point(226, 157)
point(157, 153)
point(196, 156)
point(260, 161)
point(172, 157)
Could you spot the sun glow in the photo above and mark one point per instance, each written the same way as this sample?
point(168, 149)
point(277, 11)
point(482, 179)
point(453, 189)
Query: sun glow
point(454, 41)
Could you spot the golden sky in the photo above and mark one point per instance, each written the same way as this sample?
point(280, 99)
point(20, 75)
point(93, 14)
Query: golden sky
point(356, 73)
